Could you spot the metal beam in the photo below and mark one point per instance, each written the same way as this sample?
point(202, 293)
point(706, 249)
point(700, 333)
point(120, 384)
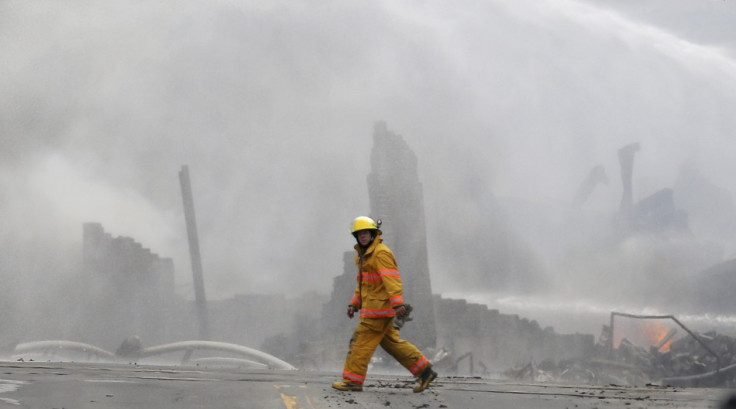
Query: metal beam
point(201, 301)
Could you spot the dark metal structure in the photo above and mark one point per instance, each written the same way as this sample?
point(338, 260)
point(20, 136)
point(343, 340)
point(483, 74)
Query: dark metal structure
point(199, 294)
point(665, 317)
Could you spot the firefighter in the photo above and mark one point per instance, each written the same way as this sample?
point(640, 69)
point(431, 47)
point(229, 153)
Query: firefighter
point(378, 297)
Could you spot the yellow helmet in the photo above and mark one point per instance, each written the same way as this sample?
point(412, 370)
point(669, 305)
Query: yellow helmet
point(364, 223)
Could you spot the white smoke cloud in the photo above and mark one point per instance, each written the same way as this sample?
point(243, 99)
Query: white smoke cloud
point(271, 105)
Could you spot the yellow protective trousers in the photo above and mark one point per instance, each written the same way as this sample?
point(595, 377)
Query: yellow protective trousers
point(372, 332)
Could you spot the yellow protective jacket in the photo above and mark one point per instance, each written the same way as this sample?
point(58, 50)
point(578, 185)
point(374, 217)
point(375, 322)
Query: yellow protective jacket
point(379, 285)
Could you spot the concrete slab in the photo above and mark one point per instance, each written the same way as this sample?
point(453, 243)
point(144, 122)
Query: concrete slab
point(86, 386)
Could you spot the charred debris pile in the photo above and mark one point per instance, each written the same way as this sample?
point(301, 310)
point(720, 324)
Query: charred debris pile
point(693, 360)
point(672, 355)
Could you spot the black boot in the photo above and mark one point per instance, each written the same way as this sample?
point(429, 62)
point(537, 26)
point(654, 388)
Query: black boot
point(425, 378)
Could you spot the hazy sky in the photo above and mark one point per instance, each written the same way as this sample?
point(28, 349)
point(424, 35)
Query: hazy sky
point(271, 104)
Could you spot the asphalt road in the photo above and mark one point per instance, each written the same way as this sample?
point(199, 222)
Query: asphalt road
point(85, 386)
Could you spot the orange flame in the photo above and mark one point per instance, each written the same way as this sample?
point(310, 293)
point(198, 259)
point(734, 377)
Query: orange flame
point(656, 332)
point(645, 333)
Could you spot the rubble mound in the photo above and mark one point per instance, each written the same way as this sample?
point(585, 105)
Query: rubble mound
point(687, 362)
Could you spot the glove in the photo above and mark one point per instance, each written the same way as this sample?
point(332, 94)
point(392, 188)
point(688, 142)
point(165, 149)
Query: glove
point(351, 311)
point(400, 311)
point(402, 315)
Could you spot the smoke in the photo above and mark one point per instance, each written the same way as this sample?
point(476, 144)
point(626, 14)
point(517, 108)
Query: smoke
point(271, 105)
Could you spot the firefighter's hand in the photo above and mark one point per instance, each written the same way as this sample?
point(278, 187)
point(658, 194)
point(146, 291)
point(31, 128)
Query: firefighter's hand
point(400, 311)
point(351, 311)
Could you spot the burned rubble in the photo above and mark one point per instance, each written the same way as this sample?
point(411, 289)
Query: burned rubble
point(675, 356)
point(708, 360)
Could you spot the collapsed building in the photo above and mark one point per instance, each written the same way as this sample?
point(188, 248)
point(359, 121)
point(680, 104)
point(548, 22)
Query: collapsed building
point(128, 290)
point(461, 337)
point(396, 197)
point(474, 339)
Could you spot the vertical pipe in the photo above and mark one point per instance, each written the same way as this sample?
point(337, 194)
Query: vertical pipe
point(201, 301)
point(610, 337)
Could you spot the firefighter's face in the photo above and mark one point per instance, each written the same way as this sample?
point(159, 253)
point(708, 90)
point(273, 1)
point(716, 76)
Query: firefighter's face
point(364, 237)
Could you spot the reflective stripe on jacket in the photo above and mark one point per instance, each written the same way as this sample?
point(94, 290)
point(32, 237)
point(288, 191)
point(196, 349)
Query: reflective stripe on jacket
point(379, 283)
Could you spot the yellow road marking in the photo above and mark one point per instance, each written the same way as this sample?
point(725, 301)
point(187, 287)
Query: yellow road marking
point(292, 401)
point(289, 401)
